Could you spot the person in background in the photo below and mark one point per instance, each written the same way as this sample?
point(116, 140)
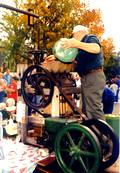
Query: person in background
point(7, 76)
point(108, 99)
point(117, 82)
point(89, 65)
point(4, 67)
point(0, 69)
point(3, 93)
point(3, 111)
point(3, 81)
point(114, 88)
point(117, 79)
point(12, 89)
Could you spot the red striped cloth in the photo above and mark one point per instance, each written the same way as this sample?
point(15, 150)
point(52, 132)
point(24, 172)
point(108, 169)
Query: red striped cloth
point(19, 158)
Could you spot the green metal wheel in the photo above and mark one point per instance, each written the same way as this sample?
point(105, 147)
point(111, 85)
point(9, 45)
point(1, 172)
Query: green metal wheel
point(77, 149)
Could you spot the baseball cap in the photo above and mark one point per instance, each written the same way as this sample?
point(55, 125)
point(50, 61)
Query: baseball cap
point(80, 28)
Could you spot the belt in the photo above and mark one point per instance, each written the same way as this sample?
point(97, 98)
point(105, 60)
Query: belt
point(94, 70)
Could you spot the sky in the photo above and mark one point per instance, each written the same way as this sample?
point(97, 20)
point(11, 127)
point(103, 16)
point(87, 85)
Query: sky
point(110, 15)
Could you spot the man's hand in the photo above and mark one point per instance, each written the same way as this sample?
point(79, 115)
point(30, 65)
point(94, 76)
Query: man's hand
point(50, 58)
point(69, 43)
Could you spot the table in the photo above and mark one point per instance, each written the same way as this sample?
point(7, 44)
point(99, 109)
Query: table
point(19, 158)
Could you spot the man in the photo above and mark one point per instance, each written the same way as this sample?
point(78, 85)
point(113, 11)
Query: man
point(108, 99)
point(12, 89)
point(90, 68)
point(3, 93)
point(7, 76)
point(3, 82)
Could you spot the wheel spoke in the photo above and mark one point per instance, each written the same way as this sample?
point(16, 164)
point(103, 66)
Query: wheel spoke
point(71, 162)
point(65, 150)
point(81, 140)
point(31, 80)
point(87, 153)
point(82, 164)
point(70, 139)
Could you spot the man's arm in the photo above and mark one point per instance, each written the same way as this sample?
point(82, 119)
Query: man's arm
point(89, 47)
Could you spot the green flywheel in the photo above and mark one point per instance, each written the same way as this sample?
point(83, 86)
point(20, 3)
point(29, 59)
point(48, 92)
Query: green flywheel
point(77, 149)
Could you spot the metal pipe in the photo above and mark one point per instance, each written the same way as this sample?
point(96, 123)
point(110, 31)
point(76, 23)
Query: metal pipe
point(18, 10)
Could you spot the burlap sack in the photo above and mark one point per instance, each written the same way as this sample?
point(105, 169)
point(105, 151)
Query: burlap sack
point(58, 67)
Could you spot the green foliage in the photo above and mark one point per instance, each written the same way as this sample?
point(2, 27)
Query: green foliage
point(58, 17)
point(14, 44)
point(56, 20)
point(112, 68)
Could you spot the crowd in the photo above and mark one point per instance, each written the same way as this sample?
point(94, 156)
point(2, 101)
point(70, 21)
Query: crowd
point(111, 94)
point(8, 86)
point(8, 93)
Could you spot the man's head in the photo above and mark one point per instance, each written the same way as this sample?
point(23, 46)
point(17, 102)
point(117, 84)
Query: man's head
point(79, 31)
point(7, 71)
point(14, 79)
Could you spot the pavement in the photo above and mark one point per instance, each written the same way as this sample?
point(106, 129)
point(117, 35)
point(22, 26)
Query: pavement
point(116, 109)
point(115, 168)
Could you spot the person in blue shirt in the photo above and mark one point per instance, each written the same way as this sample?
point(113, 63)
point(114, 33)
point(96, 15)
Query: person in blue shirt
point(118, 84)
point(3, 93)
point(89, 65)
point(7, 76)
point(108, 99)
point(3, 96)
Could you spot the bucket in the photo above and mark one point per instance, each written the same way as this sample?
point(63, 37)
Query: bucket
point(114, 122)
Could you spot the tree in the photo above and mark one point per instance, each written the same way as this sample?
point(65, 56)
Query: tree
point(108, 48)
point(112, 68)
point(15, 41)
point(57, 18)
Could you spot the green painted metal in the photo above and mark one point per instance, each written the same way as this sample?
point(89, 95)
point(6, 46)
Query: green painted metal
point(55, 124)
point(77, 149)
point(114, 122)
